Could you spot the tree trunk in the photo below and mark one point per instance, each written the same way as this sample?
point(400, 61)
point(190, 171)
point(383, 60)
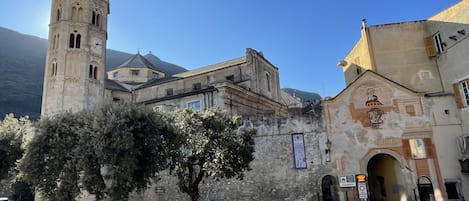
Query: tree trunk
point(194, 195)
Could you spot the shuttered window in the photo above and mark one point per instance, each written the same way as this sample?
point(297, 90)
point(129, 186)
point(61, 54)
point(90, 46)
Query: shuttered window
point(461, 93)
point(431, 52)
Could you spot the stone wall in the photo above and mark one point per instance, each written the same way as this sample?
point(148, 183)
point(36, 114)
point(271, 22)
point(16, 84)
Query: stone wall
point(273, 175)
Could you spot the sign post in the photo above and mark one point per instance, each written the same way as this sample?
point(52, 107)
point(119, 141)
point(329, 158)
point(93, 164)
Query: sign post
point(362, 187)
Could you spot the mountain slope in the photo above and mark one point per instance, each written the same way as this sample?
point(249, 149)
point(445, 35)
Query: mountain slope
point(306, 97)
point(22, 60)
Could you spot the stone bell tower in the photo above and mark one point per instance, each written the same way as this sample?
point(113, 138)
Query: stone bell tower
point(74, 71)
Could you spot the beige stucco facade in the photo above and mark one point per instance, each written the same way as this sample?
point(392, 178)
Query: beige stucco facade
point(428, 57)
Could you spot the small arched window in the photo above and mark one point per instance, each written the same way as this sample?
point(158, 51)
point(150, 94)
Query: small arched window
point(267, 81)
point(95, 73)
point(57, 41)
point(97, 19)
point(58, 15)
point(75, 40)
point(93, 18)
point(52, 72)
point(72, 41)
point(90, 75)
point(77, 43)
point(53, 69)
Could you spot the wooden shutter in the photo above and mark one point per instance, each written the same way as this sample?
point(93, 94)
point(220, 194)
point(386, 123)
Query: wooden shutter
point(429, 147)
point(406, 149)
point(429, 46)
point(457, 95)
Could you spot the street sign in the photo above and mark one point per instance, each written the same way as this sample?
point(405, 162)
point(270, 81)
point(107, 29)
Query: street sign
point(362, 191)
point(361, 178)
point(347, 181)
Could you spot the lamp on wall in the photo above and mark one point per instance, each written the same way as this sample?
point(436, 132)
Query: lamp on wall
point(328, 146)
point(328, 150)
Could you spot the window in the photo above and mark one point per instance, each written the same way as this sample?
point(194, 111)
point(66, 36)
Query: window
point(267, 81)
point(135, 72)
point(154, 75)
point(95, 73)
point(95, 18)
point(194, 105)
point(197, 86)
point(452, 189)
point(230, 78)
point(169, 91)
point(439, 45)
point(116, 75)
point(74, 41)
point(58, 15)
point(90, 74)
point(78, 40)
point(417, 148)
point(358, 70)
point(461, 93)
point(53, 69)
point(465, 92)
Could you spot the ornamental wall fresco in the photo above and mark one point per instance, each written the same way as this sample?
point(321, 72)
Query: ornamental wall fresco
point(373, 113)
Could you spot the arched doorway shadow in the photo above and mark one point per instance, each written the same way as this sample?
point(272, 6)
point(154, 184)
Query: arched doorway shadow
point(329, 188)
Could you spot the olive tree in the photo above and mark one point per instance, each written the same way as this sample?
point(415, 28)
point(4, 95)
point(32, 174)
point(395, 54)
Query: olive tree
point(12, 132)
point(110, 151)
point(213, 146)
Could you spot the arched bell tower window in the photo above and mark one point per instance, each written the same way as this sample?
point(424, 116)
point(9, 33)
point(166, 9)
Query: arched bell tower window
point(90, 75)
point(71, 43)
point(95, 18)
point(78, 41)
point(75, 40)
point(93, 72)
point(58, 15)
point(53, 71)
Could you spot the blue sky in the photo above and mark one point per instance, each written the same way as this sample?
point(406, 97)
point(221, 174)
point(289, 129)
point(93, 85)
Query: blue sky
point(304, 38)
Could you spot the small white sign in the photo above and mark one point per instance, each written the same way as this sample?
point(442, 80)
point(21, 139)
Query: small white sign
point(362, 191)
point(347, 181)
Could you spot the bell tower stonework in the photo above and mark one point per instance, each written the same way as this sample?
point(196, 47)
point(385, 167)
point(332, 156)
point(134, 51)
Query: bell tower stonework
point(74, 69)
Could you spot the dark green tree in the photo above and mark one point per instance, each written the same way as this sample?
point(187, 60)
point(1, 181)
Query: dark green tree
point(110, 151)
point(50, 160)
point(213, 146)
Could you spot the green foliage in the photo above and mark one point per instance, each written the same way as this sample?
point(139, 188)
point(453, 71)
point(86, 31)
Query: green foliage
point(21, 191)
point(110, 151)
point(12, 132)
point(49, 163)
point(213, 146)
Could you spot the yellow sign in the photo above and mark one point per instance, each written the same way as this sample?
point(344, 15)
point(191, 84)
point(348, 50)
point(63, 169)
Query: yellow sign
point(361, 178)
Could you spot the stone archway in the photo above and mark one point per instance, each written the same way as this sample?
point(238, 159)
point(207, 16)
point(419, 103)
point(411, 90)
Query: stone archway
point(385, 178)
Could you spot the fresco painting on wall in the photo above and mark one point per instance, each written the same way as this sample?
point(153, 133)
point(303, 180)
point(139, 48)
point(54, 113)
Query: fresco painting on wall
point(375, 114)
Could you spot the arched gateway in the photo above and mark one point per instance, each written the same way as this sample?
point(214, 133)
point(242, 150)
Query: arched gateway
point(389, 177)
